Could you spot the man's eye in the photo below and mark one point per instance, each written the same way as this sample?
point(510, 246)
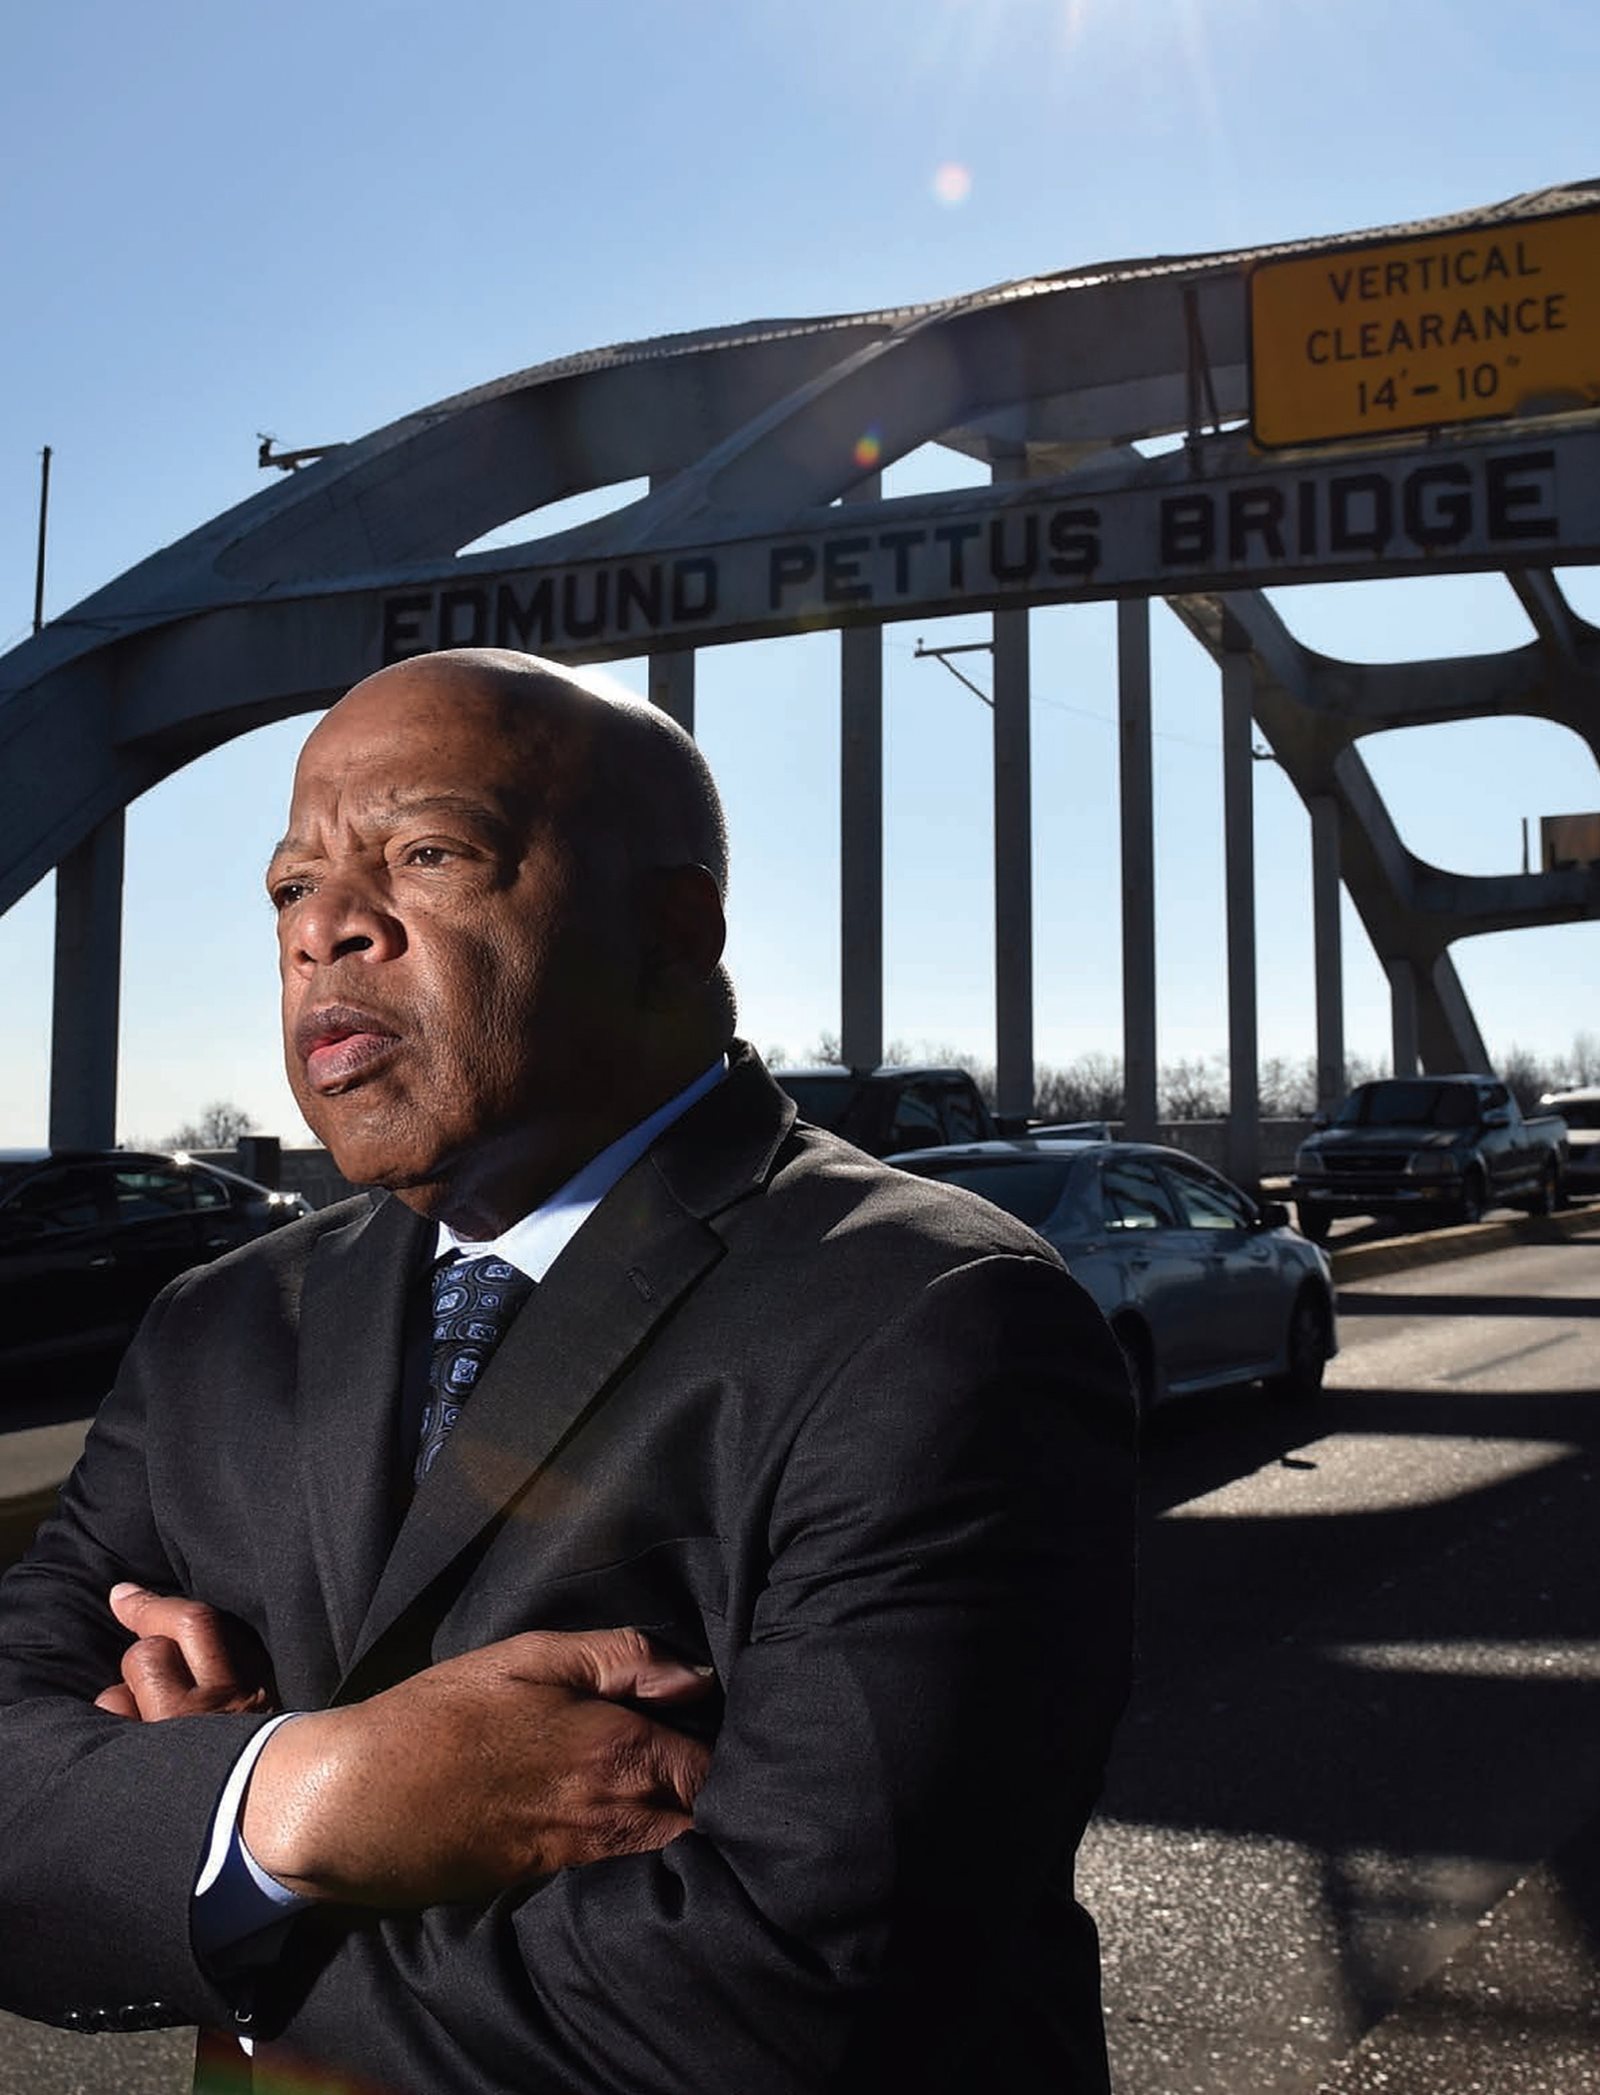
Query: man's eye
point(286, 893)
point(428, 855)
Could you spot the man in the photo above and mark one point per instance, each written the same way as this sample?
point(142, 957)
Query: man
point(701, 1688)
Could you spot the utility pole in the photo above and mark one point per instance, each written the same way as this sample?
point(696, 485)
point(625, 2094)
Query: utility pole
point(44, 518)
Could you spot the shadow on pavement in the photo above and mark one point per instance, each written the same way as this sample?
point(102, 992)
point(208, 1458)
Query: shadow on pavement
point(1402, 1698)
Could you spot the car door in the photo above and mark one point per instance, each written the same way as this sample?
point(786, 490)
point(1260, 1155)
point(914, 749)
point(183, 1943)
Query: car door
point(1507, 1149)
point(1163, 1274)
point(958, 1113)
point(58, 1277)
point(158, 1231)
point(918, 1122)
point(1247, 1301)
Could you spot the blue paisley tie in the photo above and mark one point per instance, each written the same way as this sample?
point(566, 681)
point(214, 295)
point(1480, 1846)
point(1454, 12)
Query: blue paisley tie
point(473, 1302)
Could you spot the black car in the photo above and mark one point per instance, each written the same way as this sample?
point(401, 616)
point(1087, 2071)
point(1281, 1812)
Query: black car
point(88, 1238)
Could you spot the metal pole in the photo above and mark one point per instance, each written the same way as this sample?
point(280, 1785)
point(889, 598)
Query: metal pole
point(1013, 853)
point(1326, 936)
point(1239, 859)
point(1138, 871)
point(861, 833)
point(44, 519)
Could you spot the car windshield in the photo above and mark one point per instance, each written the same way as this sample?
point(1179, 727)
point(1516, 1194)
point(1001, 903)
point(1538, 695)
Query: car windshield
point(1029, 1188)
point(822, 1100)
point(1419, 1105)
point(1578, 1112)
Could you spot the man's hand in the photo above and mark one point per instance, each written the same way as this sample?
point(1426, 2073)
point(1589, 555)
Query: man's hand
point(187, 1660)
point(480, 1773)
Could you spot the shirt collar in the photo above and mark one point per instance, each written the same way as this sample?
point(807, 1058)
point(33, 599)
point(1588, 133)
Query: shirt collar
point(534, 1243)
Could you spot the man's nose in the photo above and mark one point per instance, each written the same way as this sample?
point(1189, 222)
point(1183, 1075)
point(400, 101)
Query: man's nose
point(344, 919)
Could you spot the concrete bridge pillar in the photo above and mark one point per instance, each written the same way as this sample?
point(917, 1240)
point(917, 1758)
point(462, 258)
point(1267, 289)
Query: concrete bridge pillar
point(861, 847)
point(1328, 948)
point(1013, 850)
point(1403, 1015)
point(88, 991)
point(1138, 871)
point(1239, 861)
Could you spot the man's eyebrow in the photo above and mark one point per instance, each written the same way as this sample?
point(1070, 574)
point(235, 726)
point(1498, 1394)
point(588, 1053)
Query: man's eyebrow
point(444, 804)
point(402, 805)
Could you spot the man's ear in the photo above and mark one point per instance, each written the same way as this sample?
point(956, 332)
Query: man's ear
point(684, 930)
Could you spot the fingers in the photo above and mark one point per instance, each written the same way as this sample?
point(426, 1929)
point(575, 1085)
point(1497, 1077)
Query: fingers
point(198, 1632)
point(117, 1701)
point(157, 1678)
point(678, 1765)
point(618, 1664)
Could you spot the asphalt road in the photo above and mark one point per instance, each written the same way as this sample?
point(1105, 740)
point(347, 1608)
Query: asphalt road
point(1369, 1692)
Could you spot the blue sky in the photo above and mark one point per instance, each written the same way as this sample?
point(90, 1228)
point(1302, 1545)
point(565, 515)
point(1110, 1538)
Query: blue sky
point(309, 219)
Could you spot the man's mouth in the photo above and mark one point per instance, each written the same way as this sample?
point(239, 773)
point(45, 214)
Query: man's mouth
point(340, 1043)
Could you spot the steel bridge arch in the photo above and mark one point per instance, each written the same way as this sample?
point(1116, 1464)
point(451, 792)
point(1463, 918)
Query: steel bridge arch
point(744, 434)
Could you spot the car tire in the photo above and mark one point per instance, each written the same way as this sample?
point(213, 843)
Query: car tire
point(1314, 1222)
point(1474, 1198)
point(1140, 1359)
point(1305, 1351)
point(1546, 1196)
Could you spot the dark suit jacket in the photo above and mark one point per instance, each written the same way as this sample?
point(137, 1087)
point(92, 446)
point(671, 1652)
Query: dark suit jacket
point(856, 1439)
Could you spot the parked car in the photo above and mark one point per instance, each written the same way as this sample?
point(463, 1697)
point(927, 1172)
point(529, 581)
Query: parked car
point(1580, 1109)
point(1202, 1285)
point(88, 1238)
point(895, 1107)
point(1446, 1147)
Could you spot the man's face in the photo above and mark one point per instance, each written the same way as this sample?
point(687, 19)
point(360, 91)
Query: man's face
point(454, 993)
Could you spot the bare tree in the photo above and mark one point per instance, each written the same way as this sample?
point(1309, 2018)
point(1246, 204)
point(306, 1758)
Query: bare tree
point(1089, 1088)
point(219, 1127)
point(1288, 1090)
point(1194, 1090)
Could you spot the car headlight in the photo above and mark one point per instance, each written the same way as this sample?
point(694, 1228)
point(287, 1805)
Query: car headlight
point(1307, 1161)
point(1434, 1163)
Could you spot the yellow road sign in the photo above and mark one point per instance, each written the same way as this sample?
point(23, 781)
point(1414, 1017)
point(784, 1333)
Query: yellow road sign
point(1409, 334)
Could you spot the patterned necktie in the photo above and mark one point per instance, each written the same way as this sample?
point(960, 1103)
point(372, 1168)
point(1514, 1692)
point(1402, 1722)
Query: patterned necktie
point(474, 1301)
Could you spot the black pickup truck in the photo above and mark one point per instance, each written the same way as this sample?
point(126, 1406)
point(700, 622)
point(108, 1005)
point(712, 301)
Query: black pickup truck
point(893, 1108)
point(1444, 1147)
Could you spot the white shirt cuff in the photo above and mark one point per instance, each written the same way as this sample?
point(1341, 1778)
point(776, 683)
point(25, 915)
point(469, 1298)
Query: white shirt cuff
point(234, 1897)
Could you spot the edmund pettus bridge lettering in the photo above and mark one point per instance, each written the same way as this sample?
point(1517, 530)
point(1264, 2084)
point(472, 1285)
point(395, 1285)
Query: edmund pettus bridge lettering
point(986, 549)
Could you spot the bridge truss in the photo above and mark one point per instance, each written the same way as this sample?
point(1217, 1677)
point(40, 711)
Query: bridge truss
point(763, 447)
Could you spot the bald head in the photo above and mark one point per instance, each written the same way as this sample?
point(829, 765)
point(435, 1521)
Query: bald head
point(500, 925)
point(617, 767)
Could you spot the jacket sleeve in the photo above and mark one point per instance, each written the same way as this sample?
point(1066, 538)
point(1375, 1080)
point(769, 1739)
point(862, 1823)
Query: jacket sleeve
point(914, 1735)
point(103, 1821)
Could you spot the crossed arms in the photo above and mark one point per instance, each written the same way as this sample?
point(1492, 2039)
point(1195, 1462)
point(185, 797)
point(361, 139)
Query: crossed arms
point(366, 1805)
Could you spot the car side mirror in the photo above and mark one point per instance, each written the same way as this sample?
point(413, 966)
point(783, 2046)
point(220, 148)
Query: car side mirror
point(1272, 1214)
point(1497, 1117)
point(1322, 1118)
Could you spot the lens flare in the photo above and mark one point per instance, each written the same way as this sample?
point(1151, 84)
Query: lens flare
point(952, 183)
point(869, 449)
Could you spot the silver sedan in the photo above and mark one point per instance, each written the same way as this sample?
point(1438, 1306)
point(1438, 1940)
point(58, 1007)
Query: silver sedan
point(1202, 1285)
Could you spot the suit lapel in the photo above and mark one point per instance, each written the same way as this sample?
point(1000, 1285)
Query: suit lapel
point(353, 1316)
point(642, 1250)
